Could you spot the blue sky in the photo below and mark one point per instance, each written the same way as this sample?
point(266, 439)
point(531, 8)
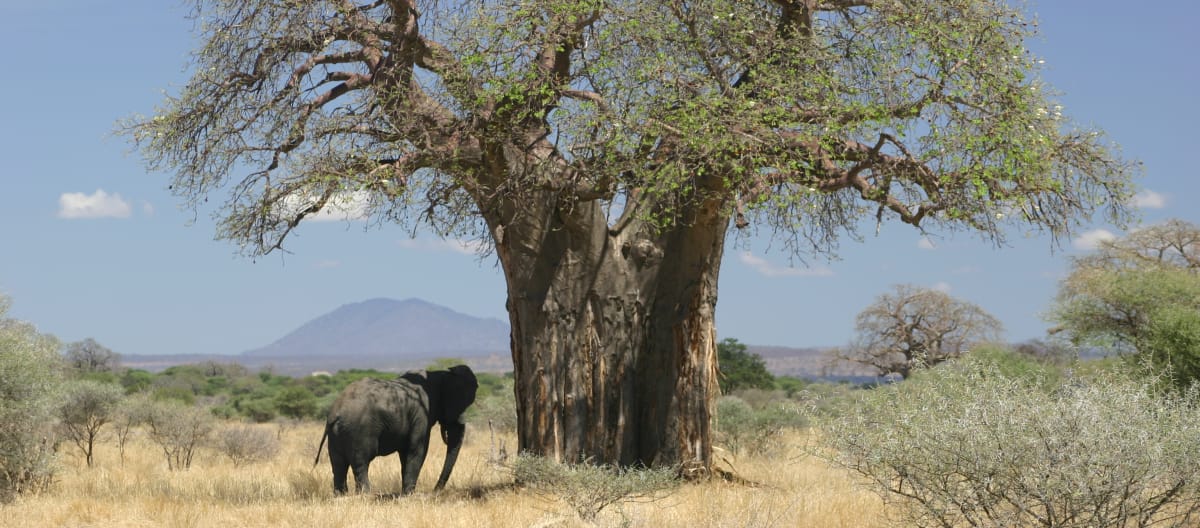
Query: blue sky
point(93, 246)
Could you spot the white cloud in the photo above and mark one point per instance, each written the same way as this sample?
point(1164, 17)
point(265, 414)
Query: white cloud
point(465, 247)
point(942, 286)
point(147, 209)
point(925, 243)
point(768, 269)
point(1092, 239)
point(327, 264)
point(343, 207)
point(99, 204)
point(1148, 199)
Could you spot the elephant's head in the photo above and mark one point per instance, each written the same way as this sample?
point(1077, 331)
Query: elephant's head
point(455, 391)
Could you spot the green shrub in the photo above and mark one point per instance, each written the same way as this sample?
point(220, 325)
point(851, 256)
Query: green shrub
point(30, 383)
point(756, 428)
point(967, 444)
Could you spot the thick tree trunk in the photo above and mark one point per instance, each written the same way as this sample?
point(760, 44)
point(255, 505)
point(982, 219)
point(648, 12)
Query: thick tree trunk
point(613, 334)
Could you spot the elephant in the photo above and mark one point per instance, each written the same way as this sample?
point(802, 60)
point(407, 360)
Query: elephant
point(375, 417)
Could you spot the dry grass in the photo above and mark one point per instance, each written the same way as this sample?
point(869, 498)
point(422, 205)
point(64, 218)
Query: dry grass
point(790, 490)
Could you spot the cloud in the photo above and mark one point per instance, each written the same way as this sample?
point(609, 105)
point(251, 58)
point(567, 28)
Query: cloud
point(1092, 239)
point(342, 207)
point(99, 204)
point(942, 286)
point(327, 264)
point(1148, 199)
point(465, 247)
point(768, 269)
point(925, 243)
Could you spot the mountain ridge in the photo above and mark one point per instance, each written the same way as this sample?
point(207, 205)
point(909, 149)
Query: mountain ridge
point(383, 327)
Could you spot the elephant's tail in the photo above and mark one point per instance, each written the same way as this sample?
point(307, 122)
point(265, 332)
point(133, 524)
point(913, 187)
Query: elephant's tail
point(328, 425)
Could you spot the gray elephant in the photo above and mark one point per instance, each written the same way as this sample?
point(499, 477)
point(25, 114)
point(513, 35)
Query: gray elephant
point(374, 417)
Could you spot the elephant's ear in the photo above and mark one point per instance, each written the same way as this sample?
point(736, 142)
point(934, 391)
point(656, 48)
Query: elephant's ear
point(458, 393)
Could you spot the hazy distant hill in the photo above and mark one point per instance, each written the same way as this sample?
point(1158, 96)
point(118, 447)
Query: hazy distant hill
point(387, 328)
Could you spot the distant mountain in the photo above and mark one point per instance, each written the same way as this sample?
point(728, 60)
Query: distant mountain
point(387, 328)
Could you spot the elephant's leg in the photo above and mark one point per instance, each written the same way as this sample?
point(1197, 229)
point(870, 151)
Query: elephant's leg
point(340, 468)
point(362, 481)
point(411, 461)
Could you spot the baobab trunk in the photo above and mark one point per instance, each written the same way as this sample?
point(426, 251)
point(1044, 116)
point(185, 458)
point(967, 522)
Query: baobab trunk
point(613, 334)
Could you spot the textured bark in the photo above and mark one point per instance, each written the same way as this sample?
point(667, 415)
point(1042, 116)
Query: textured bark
point(613, 334)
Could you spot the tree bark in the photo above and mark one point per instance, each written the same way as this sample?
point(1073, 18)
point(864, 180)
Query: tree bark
point(613, 332)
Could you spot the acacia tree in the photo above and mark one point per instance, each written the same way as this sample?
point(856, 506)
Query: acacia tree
point(1139, 295)
point(917, 327)
point(87, 406)
point(603, 149)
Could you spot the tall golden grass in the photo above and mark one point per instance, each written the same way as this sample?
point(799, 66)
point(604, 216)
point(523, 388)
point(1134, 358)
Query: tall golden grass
point(783, 490)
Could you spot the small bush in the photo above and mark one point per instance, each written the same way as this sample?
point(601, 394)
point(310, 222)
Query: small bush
point(178, 430)
point(746, 428)
point(245, 444)
point(966, 445)
point(589, 489)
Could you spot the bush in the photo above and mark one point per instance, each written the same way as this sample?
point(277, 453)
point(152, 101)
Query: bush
point(30, 380)
point(88, 406)
point(245, 444)
point(589, 489)
point(749, 428)
point(178, 430)
point(967, 445)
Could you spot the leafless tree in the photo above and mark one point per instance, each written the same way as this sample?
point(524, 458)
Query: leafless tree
point(90, 356)
point(913, 327)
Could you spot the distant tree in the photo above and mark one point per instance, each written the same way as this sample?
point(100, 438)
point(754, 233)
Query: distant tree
point(30, 384)
point(1140, 296)
point(87, 407)
point(912, 327)
point(740, 369)
point(136, 380)
point(88, 356)
point(604, 150)
point(296, 401)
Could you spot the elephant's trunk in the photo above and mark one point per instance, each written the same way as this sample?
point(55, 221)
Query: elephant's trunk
point(452, 434)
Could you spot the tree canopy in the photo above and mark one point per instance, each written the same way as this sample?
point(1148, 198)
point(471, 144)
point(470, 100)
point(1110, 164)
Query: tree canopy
point(914, 327)
point(1139, 295)
point(740, 368)
point(808, 115)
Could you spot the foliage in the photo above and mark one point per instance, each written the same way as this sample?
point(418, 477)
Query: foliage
point(30, 381)
point(295, 401)
point(970, 444)
point(740, 369)
point(756, 428)
point(914, 327)
point(88, 406)
point(245, 444)
point(1139, 295)
point(178, 430)
point(588, 488)
point(930, 112)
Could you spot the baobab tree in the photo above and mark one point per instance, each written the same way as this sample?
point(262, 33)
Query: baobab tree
point(912, 327)
point(604, 150)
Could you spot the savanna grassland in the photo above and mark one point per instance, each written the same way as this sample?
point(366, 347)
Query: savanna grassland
point(784, 488)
